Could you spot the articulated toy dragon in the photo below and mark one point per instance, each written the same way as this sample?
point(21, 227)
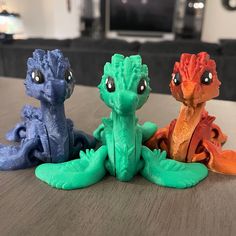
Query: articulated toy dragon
point(124, 88)
point(193, 136)
point(45, 135)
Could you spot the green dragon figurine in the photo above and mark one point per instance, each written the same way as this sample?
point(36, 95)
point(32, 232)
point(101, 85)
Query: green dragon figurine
point(124, 88)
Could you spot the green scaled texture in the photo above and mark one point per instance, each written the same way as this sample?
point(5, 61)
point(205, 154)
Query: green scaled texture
point(171, 173)
point(124, 88)
point(79, 173)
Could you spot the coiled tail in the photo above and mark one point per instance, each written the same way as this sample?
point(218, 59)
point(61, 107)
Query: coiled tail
point(18, 157)
point(216, 159)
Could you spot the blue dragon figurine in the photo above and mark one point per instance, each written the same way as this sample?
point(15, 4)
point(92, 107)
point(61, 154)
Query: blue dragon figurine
point(45, 135)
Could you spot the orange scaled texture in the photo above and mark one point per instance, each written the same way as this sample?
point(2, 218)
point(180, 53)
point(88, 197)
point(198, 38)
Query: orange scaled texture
point(193, 136)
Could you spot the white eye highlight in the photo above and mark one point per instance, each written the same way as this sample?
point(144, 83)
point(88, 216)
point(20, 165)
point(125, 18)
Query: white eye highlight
point(68, 76)
point(207, 78)
point(210, 75)
point(142, 86)
point(110, 84)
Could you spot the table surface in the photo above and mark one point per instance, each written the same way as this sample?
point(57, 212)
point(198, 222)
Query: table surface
point(30, 207)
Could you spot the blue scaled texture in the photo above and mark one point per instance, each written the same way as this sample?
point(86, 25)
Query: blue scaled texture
point(45, 134)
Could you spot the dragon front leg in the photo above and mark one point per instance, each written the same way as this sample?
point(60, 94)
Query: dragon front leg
point(170, 173)
point(99, 132)
point(79, 173)
point(216, 159)
point(18, 157)
point(148, 129)
point(18, 133)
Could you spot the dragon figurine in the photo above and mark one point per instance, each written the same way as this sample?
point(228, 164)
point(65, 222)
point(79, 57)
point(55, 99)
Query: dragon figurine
point(45, 135)
point(124, 88)
point(193, 137)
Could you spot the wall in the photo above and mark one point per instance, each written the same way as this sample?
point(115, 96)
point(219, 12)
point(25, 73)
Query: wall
point(66, 24)
point(47, 18)
point(218, 22)
point(50, 19)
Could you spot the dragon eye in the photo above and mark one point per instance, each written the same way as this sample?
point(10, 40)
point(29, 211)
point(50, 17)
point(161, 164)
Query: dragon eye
point(206, 78)
point(37, 77)
point(176, 79)
point(68, 76)
point(142, 86)
point(110, 84)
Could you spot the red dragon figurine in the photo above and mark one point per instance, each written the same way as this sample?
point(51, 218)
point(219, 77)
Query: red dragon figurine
point(193, 137)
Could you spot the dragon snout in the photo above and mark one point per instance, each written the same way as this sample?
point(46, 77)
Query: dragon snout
point(125, 102)
point(189, 91)
point(56, 91)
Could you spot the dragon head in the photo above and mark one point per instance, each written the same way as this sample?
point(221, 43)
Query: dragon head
point(49, 77)
point(194, 79)
point(125, 84)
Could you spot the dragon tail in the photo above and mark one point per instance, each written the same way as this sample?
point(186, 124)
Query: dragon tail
point(17, 157)
point(218, 160)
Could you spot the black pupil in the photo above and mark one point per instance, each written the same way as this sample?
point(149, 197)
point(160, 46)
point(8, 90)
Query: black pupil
point(206, 78)
point(176, 79)
point(37, 77)
point(110, 84)
point(141, 86)
point(68, 75)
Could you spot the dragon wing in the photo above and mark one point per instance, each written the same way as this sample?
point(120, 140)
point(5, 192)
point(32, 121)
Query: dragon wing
point(170, 173)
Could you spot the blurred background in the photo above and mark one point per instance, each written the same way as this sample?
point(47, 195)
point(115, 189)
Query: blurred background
point(90, 31)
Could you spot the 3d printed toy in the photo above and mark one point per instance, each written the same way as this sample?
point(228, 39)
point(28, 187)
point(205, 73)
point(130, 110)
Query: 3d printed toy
point(193, 136)
point(124, 88)
point(45, 135)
